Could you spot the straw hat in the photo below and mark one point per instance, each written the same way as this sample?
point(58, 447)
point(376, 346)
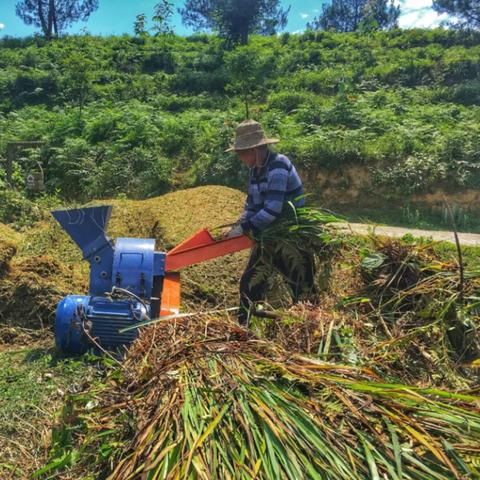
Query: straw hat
point(250, 134)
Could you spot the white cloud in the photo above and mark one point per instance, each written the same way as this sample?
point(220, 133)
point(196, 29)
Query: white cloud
point(415, 4)
point(419, 14)
point(2, 26)
point(304, 15)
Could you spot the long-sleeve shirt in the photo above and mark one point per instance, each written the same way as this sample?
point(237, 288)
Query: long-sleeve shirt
point(269, 188)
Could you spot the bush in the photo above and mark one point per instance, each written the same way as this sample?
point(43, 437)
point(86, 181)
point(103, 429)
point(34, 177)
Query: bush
point(70, 168)
point(163, 60)
point(467, 93)
point(326, 149)
point(138, 173)
point(328, 81)
point(416, 174)
point(33, 87)
point(288, 101)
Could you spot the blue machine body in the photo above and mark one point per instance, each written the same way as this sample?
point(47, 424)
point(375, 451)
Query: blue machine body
point(133, 265)
point(130, 265)
point(81, 318)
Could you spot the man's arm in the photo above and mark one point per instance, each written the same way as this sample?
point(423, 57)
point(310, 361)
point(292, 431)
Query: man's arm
point(274, 199)
point(248, 210)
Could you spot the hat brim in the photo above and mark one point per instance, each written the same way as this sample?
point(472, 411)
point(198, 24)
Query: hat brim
point(266, 141)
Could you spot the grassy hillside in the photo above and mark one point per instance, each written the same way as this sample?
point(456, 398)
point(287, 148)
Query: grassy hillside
point(368, 118)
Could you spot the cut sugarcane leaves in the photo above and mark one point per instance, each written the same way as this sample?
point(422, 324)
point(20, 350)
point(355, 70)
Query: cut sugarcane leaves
point(297, 230)
point(242, 408)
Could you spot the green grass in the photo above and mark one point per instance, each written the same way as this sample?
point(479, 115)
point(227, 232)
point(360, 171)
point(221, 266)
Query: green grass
point(471, 255)
point(33, 382)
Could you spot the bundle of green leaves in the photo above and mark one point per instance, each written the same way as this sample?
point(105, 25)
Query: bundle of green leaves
point(300, 233)
point(202, 399)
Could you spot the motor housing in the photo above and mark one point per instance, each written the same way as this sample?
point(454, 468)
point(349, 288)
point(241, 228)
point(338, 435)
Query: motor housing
point(81, 318)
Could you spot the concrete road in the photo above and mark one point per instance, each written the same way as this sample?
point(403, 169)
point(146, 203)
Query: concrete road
point(472, 239)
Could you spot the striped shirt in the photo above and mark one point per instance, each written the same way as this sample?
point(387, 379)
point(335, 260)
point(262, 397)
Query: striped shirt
point(269, 188)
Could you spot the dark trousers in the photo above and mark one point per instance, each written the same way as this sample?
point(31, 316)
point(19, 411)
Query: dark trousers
point(298, 280)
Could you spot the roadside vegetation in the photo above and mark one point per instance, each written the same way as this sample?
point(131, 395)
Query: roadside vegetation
point(368, 118)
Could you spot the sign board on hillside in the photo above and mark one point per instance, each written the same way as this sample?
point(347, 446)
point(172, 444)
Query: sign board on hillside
point(34, 179)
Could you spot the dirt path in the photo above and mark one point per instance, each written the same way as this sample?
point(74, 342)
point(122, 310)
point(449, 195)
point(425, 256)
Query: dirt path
point(472, 239)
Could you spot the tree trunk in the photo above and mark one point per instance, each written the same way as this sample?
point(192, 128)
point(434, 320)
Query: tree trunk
point(52, 17)
point(244, 37)
point(55, 23)
point(41, 15)
point(243, 29)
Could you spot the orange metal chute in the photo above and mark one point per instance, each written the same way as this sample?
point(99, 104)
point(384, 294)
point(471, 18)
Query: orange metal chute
point(170, 294)
point(198, 248)
point(201, 247)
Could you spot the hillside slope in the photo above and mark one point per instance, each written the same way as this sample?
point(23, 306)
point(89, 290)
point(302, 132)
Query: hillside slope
point(365, 116)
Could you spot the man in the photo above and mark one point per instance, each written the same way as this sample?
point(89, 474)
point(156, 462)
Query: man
point(273, 181)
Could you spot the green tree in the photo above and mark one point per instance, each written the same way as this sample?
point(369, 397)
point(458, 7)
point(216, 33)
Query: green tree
point(235, 20)
point(381, 15)
point(352, 15)
point(161, 17)
point(78, 79)
point(139, 27)
point(54, 16)
point(467, 12)
point(248, 69)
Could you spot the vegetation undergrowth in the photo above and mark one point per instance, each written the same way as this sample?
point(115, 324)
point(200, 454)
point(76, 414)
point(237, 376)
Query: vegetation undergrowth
point(34, 381)
point(364, 116)
point(203, 399)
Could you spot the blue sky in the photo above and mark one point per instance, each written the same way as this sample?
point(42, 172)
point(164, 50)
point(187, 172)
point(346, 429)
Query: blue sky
point(118, 16)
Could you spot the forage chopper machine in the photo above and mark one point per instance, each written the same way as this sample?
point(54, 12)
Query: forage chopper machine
point(129, 281)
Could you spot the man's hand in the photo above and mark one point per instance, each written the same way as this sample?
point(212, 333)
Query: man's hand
point(236, 231)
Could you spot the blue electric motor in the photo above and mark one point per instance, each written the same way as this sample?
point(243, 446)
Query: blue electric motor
point(125, 284)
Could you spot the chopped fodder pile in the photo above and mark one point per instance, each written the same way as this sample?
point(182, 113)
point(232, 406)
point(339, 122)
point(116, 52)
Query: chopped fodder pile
point(9, 240)
point(31, 290)
point(48, 238)
point(201, 399)
point(7, 252)
point(8, 234)
point(32, 284)
point(175, 216)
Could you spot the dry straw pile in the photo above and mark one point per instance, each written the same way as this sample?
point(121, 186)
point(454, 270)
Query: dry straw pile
point(44, 264)
point(200, 399)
